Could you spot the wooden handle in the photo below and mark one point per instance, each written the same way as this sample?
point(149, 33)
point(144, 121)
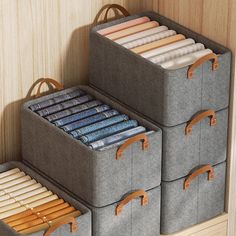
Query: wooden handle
point(141, 193)
point(202, 170)
point(209, 113)
point(57, 85)
point(211, 56)
point(140, 137)
point(68, 220)
point(118, 7)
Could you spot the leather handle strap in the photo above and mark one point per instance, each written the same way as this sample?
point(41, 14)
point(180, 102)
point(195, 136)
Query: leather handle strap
point(68, 220)
point(211, 56)
point(201, 170)
point(140, 193)
point(118, 7)
point(209, 113)
point(56, 84)
point(140, 137)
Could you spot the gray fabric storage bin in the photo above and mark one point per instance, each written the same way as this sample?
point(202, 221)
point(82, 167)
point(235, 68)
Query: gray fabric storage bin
point(94, 176)
point(206, 144)
point(168, 97)
point(84, 221)
point(202, 201)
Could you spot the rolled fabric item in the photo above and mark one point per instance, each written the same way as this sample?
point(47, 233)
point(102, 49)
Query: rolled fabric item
point(186, 60)
point(32, 211)
point(149, 39)
point(57, 99)
point(116, 137)
point(167, 48)
point(73, 110)
point(25, 201)
point(12, 177)
point(49, 217)
point(102, 133)
point(17, 187)
point(177, 53)
point(19, 209)
point(15, 182)
point(37, 214)
point(45, 226)
point(132, 30)
point(99, 125)
point(21, 191)
point(89, 120)
point(158, 43)
point(24, 196)
point(119, 143)
point(124, 25)
point(81, 115)
point(141, 34)
point(64, 105)
point(9, 172)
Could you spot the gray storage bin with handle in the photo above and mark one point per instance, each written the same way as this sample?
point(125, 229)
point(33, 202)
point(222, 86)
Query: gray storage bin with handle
point(201, 140)
point(138, 213)
point(98, 177)
point(193, 199)
point(80, 226)
point(168, 97)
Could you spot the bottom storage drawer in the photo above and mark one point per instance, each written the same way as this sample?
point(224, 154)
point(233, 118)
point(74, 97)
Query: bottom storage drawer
point(31, 205)
point(193, 199)
point(138, 213)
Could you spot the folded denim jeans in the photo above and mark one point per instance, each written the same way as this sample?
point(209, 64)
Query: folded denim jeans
point(73, 110)
point(99, 125)
point(110, 130)
point(81, 115)
point(89, 120)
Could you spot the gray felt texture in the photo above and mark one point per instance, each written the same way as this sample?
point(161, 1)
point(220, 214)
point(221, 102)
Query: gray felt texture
point(84, 221)
point(204, 200)
point(94, 176)
point(206, 144)
point(165, 96)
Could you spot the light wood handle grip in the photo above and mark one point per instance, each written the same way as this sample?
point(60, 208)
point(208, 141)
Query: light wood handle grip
point(201, 170)
point(209, 113)
point(211, 56)
point(141, 193)
point(140, 137)
point(57, 85)
point(118, 7)
point(68, 220)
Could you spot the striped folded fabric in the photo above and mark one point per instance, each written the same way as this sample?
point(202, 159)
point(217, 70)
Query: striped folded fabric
point(124, 25)
point(167, 48)
point(116, 138)
point(57, 99)
point(158, 43)
point(89, 120)
point(102, 133)
point(73, 110)
point(186, 60)
point(26, 209)
point(132, 30)
point(177, 53)
point(99, 125)
point(81, 115)
point(141, 34)
point(149, 39)
point(64, 105)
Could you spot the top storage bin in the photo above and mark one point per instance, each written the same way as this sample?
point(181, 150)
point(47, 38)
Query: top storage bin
point(168, 97)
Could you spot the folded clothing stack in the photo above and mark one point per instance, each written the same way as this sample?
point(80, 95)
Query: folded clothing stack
point(27, 206)
point(156, 43)
point(89, 120)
